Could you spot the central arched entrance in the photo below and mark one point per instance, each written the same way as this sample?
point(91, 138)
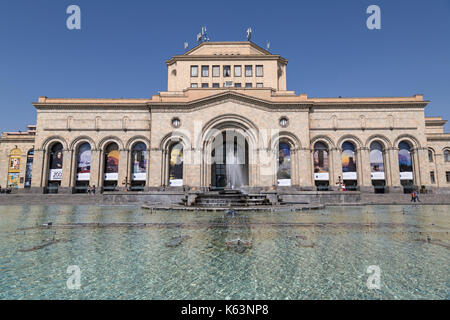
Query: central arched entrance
point(229, 160)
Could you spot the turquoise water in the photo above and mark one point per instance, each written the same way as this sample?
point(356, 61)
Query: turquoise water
point(133, 261)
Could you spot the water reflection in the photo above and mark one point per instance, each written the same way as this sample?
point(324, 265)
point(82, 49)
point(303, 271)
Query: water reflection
point(123, 253)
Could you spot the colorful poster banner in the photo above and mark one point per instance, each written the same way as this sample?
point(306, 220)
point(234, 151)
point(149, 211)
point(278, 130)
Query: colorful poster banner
point(176, 165)
point(377, 163)
point(84, 162)
point(139, 160)
point(284, 164)
point(112, 164)
point(13, 180)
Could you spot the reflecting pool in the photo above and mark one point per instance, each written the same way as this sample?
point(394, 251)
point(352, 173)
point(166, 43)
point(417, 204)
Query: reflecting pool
point(125, 252)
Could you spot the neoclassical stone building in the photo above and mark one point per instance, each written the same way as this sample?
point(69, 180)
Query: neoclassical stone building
point(228, 119)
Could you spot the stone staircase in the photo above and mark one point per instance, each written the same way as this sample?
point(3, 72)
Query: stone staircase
point(228, 198)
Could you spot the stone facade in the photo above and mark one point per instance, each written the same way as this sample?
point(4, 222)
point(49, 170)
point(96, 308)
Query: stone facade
point(249, 102)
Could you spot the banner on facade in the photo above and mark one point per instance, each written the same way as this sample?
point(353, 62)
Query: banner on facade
point(284, 182)
point(406, 176)
point(321, 176)
point(84, 163)
point(55, 175)
point(176, 182)
point(13, 180)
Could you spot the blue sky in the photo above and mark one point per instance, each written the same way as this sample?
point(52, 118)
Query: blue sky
point(121, 48)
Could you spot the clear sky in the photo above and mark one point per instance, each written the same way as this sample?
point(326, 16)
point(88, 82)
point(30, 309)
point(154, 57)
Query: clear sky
point(122, 45)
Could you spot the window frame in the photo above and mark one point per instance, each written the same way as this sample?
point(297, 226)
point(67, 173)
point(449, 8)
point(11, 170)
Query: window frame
point(259, 85)
point(216, 85)
point(248, 85)
point(251, 71)
point(240, 70)
point(207, 71)
point(223, 71)
point(194, 85)
point(192, 68)
point(215, 67)
point(262, 70)
point(205, 85)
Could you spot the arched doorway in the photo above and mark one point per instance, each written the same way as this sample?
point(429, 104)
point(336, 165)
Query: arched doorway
point(321, 166)
point(229, 160)
point(29, 168)
point(55, 168)
point(139, 166)
point(405, 163)
point(83, 167)
point(111, 167)
point(349, 173)
point(284, 164)
point(377, 167)
point(176, 165)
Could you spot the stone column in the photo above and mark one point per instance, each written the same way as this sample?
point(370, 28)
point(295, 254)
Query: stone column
point(267, 163)
point(420, 159)
point(66, 172)
point(305, 169)
point(364, 171)
point(39, 171)
point(156, 168)
point(94, 177)
point(123, 174)
point(394, 171)
point(23, 169)
point(337, 168)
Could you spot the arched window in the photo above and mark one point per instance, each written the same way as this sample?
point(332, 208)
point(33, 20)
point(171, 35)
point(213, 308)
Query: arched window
point(14, 168)
point(176, 165)
point(139, 162)
point(284, 164)
point(56, 163)
point(29, 168)
point(84, 162)
point(446, 155)
point(321, 162)
point(111, 165)
point(430, 155)
point(376, 161)
point(405, 161)
point(348, 161)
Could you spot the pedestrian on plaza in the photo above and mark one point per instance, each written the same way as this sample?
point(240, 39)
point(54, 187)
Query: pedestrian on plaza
point(93, 189)
point(413, 196)
point(417, 195)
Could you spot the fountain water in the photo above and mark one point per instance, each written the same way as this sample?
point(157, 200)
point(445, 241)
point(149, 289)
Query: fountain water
point(235, 166)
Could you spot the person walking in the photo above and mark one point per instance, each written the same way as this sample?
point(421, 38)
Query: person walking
point(417, 196)
point(93, 189)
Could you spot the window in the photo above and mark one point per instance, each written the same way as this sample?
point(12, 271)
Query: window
point(248, 71)
point(446, 155)
point(447, 176)
point(259, 71)
point(215, 85)
point(194, 71)
point(205, 85)
point(216, 71)
point(237, 71)
point(248, 85)
point(432, 178)
point(227, 71)
point(194, 85)
point(259, 85)
point(205, 71)
point(228, 84)
point(430, 156)
point(237, 85)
